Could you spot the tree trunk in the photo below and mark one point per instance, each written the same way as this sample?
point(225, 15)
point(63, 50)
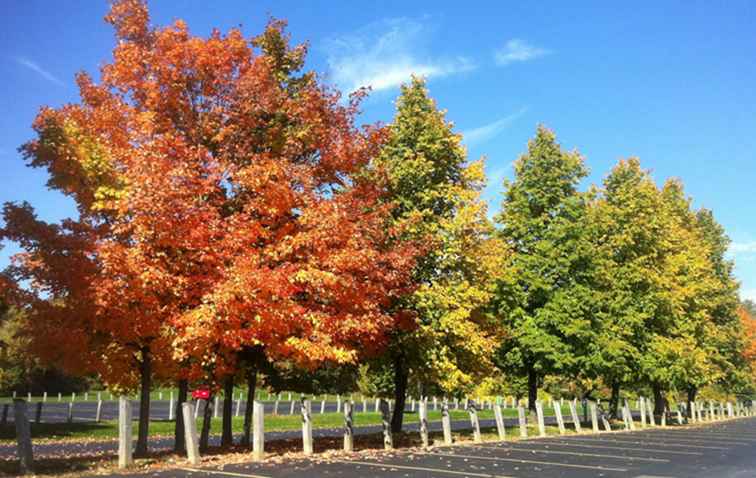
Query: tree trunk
point(227, 437)
point(614, 400)
point(207, 417)
point(532, 389)
point(691, 398)
point(251, 384)
point(660, 402)
point(145, 371)
point(401, 377)
point(179, 443)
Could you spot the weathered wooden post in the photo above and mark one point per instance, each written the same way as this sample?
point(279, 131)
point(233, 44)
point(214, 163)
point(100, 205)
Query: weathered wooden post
point(275, 407)
point(258, 434)
point(522, 422)
point(171, 407)
point(423, 415)
point(472, 408)
point(44, 396)
point(197, 407)
point(499, 416)
point(190, 433)
point(348, 426)
point(364, 405)
point(446, 423)
point(575, 417)
point(70, 412)
point(377, 405)
point(23, 437)
point(607, 425)
point(38, 413)
point(642, 407)
point(338, 403)
point(594, 417)
point(559, 418)
point(306, 410)
point(216, 406)
point(322, 405)
point(388, 440)
point(664, 417)
point(125, 449)
point(435, 404)
point(539, 417)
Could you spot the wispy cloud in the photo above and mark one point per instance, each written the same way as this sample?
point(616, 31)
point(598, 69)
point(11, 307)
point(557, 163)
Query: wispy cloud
point(748, 294)
point(385, 54)
point(742, 248)
point(491, 130)
point(516, 50)
point(39, 70)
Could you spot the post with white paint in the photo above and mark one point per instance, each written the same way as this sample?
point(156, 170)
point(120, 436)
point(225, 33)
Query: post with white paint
point(258, 433)
point(364, 405)
point(651, 419)
point(306, 410)
point(423, 416)
point(594, 417)
point(190, 433)
point(338, 403)
point(216, 406)
point(522, 422)
point(499, 416)
point(472, 408)
point(98, 411)
point(44, 397)
point(664, 417)
point(679, 416)
point(23, 437)
point(125, 449)
point(322, 406)
point(539, 417)
point(575, 417)
point(70, 412)
point(642, 406)
point(559, 418)
point(630, 421)
point(348, 426)
point(388, 441)
point(446, 423)
point(60, 397)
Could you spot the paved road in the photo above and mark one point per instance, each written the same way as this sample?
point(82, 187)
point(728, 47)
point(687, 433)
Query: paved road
point(721, 450)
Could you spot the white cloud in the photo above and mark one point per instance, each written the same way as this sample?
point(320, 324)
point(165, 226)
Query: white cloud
point(39, 70)
point(748, 294)
point(490, 130)
point(518, 50)
point(385, 54)
point(742, 248)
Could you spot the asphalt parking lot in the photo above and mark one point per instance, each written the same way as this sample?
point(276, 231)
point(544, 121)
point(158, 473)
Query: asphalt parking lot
point(722, 450)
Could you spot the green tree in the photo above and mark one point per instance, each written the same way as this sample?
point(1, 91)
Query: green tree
point(436, 194)
point(544, 302)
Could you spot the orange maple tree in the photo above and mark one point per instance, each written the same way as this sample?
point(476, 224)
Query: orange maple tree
point(223, 209)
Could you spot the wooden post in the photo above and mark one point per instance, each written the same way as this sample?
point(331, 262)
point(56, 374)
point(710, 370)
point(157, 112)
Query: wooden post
point(23, 437)
point(171, 409)
point(197, 407)
point(388, 440)
point(338, 403)
point(306, 410)
point(70, 412)
point(125, 450)
point(98, 412)
point(630, 423)
point(364, 405)
point(377, 405)
point(216, 406)
point(594, 417)
point(473, 410)
point(651, 419)
point(522, 422)
point(38, 413)
point(275, 407)
point(575, 417)
point(258, 434)
point(349, 427)
point(423, 415)
point(499, 416)
point(190, 433)
point(446, 423)
point(435, 404)
point(607, 425)
point(60, 397)
point(642, 407)
point(322, 406)
point(44, 397)
point(559, 418)
point(539, 419)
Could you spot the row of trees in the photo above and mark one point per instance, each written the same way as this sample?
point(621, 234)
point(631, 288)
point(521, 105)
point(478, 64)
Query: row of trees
point(234, 224)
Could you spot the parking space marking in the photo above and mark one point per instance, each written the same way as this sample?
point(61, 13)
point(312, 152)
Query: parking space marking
point(607, 447)
point(578, 453)
point(646, 442)
point(224, 473)
point(420, 468)
point(695, 440)
point(532, 462)
point(715, 434)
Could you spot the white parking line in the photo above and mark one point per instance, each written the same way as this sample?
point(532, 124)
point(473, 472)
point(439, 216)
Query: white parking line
point(224, 473)
point(607, 447)
point(646, 442)
point(577, 453)
point(532, 462)
point(419, 468)
point(684, 438)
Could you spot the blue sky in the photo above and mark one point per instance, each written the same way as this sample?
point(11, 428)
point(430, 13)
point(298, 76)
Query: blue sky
point(669, 82)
